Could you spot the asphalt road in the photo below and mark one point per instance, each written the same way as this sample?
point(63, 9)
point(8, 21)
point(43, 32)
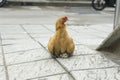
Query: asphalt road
point(48, 15)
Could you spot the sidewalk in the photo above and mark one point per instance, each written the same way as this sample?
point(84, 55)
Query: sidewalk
point(23, 46)
point(26, 56)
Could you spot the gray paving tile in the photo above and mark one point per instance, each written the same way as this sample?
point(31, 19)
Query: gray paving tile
point(50, 27)
point(34, 69)
point(0, 49)
point(92, 31)
point(17, 41)
point(106, 28)
point(2, 73)
point(113, 56)
point(41, 31)
point(43, 41)
point(89, 42)
point(20, 45)
point(10, 26)
point(97, 74)
point(26, 56)
point(27, 27)
point(15, 36)
point(83, 32)
point(41, 35)
point(7, 42)
point(55, 77)
point(86, 62)
point(87, 39)
point(83, 50)
point(78, 27)
point(84, 36)
point(76, 42)
point(1, 57)
point(74, 34)
point(36, 29)
point(11, 29)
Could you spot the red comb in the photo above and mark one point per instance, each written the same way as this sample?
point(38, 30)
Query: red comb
point(65, 18)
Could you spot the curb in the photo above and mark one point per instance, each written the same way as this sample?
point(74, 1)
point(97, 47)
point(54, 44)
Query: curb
point(51, 3)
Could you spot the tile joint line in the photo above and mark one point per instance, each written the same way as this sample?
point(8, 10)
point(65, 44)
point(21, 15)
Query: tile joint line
point(4, 61)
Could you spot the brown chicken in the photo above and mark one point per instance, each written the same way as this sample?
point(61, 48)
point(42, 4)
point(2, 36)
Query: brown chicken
point(61, 44)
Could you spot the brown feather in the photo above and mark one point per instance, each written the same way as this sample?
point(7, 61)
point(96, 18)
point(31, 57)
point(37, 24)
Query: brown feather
point(61, 42)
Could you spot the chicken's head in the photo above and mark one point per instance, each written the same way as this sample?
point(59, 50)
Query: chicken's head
point(62, 20)
point(60, 23)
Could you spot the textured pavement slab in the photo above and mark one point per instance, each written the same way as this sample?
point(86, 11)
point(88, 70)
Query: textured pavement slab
point(2, 73)
point(98, 74)
point(34, 69)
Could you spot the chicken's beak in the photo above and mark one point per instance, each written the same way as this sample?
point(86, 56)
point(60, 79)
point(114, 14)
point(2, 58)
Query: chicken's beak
point(67, 19)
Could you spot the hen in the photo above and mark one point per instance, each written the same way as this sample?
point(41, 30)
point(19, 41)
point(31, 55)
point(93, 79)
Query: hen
point(61, 44)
